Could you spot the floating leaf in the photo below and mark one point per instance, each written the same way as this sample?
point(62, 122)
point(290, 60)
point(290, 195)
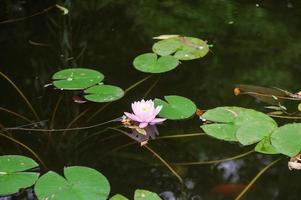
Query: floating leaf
point(265, 146)
point(184, 48)
point(76, 78)
point(250, 126)
point(118, 197)
point(221, 131)
point(81, 183)
point(12, 175)
point(176, 107)
point(149, 63)
point(167, 47)
point(103, 93)
point(146, 195)
point(287, 139)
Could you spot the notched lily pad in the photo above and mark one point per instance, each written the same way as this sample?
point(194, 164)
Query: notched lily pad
point(103, 93)
point(287, 139)
point(76, 78)
point(118, 197)
point(176, 107)
point(250, 126)
point(183, 48)
point(81, 183)
point(12, 173)
point(150, 63)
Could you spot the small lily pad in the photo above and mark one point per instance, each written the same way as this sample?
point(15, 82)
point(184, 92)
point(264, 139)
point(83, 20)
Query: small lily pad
point(265, 146)
point(12, 175)
point(150, 63)
point(287, 139)
point(183, 48)
point(146, 195)
point(118, 197)
point(76, 78)
point(103, 93)
point(81, 183)
point(250, 126)
point(176, 107)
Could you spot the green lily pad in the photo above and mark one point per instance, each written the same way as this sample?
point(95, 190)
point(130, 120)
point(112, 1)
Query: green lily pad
point(150, 63)
point(76, 78)
point(118, 197)
point(250, 126)
point(221, 131)
point(287, 139)
point(12, 175)
point(176, 107)
point(81, 183)
point(146, 195)
point(184, 48)
point(265, 146)
point(103, 93)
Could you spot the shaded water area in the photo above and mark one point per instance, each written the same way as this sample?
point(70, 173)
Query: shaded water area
point(254, 42)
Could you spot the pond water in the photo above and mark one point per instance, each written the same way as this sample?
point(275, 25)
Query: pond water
point(253, 42)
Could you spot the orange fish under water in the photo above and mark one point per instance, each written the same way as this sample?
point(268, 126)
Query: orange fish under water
point(228, 189)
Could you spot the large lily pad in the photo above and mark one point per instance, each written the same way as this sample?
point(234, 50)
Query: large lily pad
point(146, 195)
point(176, 107)
point(81, 183)
point(250, 126)
point(183, 48)
point(12, 175)
point(287, 139)
point(76, 78)
point(150, 63)
point(103, 93)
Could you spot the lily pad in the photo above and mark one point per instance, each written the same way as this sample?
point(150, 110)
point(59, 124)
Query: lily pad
point(103, 93)
point(265, 146)
point(76, 78)
point(150, 63)
point(221, 131)
point(146, 195)
point(81, 183)
point(287, 139)
point(250, 126)
point(118, 197)
point(176, 107)
point(12, 175)
point(183, 48)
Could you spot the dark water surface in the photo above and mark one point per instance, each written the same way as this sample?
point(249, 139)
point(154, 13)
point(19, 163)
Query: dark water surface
point(254, 42)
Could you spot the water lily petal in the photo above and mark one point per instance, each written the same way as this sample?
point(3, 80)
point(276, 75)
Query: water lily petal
point(157, 120)
point(143, 125)
point(133, 117)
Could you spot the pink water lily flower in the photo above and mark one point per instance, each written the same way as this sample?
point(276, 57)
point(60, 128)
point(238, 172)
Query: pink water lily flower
point(144, 112)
